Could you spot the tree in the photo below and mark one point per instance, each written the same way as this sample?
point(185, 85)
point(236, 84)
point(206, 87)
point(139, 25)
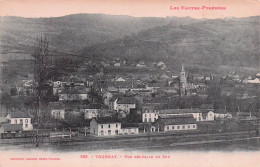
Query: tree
point(13, 92)
point(41, 51)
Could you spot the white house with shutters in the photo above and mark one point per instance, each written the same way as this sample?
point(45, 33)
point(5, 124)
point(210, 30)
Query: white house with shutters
point(20, 118)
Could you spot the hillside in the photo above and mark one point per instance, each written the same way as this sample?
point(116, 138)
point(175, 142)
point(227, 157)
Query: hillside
point(207, 42)
point(73, 32)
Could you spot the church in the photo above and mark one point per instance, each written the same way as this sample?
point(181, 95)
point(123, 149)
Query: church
point(184, 86)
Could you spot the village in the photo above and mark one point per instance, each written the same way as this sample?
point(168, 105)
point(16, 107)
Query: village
point(108, 98)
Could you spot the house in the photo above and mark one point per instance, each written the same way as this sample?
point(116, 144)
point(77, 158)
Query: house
point(3, 120)
point(57, 110)
point(140, 65)
point(175, 123)
point(117, 64)
point(112, 103)
point(125, 104)
point(120, 79)
point(222, 114)
point(91, 110)
point(128, 129)
point(164, 77)
point(253, 81)
point(21, 118)
point(10, 130)
point(154, 86)
point(106, 113)
point(57, 87)
point(104, 126)
point(73, 94)
point(199, 115)
point(171, 90)
point(149, 114)
point(161, 65)
point(207, 112)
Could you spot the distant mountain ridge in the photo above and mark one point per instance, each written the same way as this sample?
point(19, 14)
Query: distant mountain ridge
point(73, 32)
point(207, 42)
point(230, 41)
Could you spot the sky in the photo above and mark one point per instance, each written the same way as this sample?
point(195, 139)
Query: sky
point(136, 8)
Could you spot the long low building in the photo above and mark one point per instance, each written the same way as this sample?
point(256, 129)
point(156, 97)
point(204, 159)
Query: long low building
point(10, 130)
point(198, 114)
point(175, 123)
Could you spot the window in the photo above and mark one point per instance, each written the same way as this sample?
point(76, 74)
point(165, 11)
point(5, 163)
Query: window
point(172, 127)
point(150, 120)
point(108, 125)
point(21, 121)
point(168, 127)
point(15, 121)
point(178, 127)
point(26, 125)
point(26, 121)
point(183, 127)
point(101, 126)
point(144, 115)
point(194, 126)
point(116, 125)
point(109, 132)
point(149, 115)
point(145, 120)
point(188, 126)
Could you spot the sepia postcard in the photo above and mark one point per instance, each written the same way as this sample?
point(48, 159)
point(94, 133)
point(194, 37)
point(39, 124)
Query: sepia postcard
point(107, 83)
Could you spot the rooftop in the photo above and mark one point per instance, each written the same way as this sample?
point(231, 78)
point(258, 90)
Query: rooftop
point(12, 127)
point(56, 105)
point(106, 120)
point(178, 120)
point(92, 106)
point(126, 100)
point(178, 111)
point(19, 115)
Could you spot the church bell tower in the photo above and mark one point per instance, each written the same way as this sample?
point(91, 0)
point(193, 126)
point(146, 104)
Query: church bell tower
point(183, 82)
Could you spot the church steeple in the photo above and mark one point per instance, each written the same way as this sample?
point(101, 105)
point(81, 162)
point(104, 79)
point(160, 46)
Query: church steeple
point(183, 81)
point(182, 68)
